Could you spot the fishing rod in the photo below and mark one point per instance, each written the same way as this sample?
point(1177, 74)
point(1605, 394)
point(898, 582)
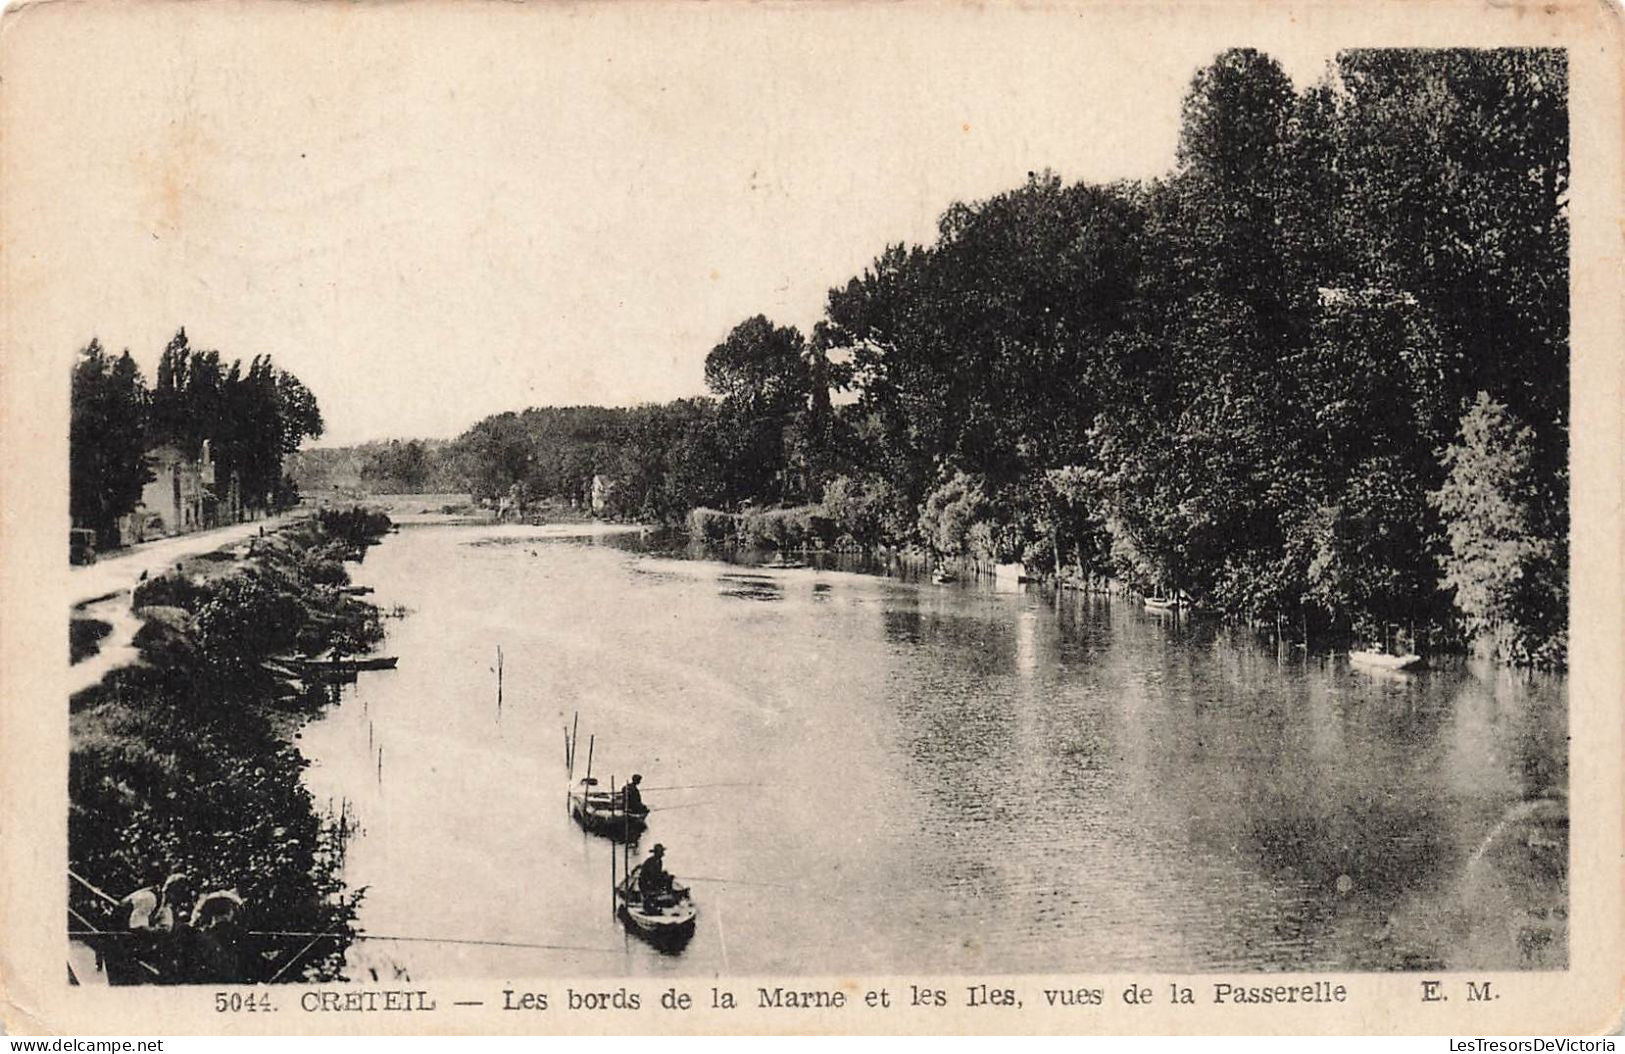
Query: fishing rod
point(736, 882)
point(700, 786)
point(684, 805)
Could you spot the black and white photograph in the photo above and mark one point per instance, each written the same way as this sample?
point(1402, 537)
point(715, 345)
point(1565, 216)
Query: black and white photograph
point(658, 494)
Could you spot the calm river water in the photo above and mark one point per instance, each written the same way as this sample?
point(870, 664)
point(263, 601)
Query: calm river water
point(873, 776)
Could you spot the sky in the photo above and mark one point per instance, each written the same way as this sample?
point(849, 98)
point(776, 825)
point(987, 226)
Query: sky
point(435, 212)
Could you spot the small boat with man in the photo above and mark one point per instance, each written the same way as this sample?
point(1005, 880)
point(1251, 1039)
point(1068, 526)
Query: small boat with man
point(654, 907)
point(618, 815)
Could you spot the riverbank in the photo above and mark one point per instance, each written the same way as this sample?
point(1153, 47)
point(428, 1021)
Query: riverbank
point(770, 537)
point(183, 762)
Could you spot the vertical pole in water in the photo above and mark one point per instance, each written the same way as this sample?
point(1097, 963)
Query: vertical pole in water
point(612, 857)
point(569, 769)
point(626, 844)
point(499, 678)
point(590, 740)
point(575, 729)
point(380, 766)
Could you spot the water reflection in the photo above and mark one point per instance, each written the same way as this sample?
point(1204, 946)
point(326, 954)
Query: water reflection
point(749, 587)
point(901, 776)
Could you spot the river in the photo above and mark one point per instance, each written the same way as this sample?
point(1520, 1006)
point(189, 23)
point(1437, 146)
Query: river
point(865, 775)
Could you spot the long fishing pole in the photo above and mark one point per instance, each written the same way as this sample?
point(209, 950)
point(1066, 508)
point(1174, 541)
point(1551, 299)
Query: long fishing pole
point(736, 882)
point(684, 805)
point(700, 786)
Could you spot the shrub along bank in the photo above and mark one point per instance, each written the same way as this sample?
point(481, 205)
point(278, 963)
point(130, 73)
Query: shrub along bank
point(183, 764)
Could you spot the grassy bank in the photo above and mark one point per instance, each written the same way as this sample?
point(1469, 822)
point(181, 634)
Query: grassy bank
point(183, 763)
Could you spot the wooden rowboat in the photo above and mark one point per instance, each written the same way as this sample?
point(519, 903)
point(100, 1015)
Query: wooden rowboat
point(604, 813)
point(667, 923)
point(353, 665)
point(1162, 603)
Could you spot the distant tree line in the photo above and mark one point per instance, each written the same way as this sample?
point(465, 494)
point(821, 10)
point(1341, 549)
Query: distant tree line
point(416, 466)
point(1318, 374)
point(251, 416)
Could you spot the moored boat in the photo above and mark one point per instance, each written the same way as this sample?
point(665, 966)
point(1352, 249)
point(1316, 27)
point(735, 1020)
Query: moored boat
point(604, 812)
point(782, 562)
point(942, 576)
point(1382, 660)
point(1162, 603)
point(303, 666)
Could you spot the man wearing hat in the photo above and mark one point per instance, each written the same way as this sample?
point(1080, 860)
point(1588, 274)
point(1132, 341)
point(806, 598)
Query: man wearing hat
point(654, 881)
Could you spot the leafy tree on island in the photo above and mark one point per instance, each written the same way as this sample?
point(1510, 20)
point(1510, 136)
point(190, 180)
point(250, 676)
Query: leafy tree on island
point(762, 376)
point(1507, 559)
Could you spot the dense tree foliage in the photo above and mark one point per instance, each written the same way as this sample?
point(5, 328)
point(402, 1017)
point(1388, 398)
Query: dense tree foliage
point(107, 436)
point(764, 380)
point(182, 763)
point(1241, 381)
point(252, 418)
point(1507, 558)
